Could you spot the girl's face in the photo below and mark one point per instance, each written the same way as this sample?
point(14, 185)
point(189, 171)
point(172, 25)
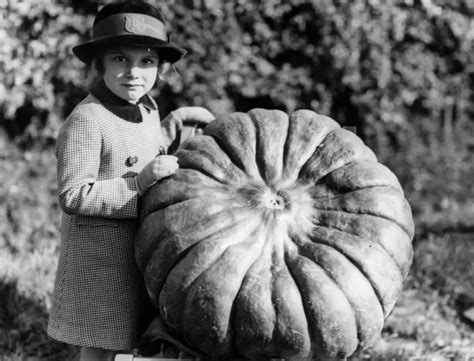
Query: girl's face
point(130, 72)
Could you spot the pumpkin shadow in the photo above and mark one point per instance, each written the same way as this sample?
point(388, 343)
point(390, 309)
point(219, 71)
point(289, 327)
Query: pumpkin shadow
point(23, 323)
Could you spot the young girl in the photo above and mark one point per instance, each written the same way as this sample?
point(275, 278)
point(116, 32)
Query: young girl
point(109, 152)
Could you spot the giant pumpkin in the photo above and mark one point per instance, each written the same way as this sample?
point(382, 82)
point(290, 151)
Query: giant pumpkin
point(279, 236)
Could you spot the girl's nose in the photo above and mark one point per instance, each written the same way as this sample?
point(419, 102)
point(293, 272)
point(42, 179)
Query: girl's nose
point(133, 71)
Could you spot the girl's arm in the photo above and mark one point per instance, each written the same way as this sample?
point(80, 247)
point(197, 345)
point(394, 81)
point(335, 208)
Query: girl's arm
point(78, 153)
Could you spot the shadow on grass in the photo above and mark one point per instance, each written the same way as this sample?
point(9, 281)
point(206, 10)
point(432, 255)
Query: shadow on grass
point(23, 323)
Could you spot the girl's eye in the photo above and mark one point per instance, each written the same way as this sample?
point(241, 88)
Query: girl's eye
point(149, 61)
point(119, 59)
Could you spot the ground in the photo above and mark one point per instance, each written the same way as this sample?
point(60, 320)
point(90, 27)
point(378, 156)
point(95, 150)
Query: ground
point(430, 320)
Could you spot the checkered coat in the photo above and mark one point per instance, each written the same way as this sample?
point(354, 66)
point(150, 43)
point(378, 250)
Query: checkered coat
point(99, 296)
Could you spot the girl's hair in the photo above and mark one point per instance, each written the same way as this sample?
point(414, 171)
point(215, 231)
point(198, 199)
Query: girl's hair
point(98, 65)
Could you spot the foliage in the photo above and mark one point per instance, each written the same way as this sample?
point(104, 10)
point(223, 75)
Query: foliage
point(28, 238)
point(35, 84)
point(372, 64)
point(28, 254)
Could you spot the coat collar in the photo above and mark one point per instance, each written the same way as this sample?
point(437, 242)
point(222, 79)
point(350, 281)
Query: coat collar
point(120, 107)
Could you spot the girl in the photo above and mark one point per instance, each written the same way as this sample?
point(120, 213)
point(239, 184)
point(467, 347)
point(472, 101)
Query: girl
point(109, 152)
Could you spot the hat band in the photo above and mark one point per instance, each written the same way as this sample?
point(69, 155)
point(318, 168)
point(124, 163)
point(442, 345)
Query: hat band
point(130, 24)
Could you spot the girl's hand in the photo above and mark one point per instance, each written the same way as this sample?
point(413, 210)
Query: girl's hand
point(194, 114)
point(160, 167)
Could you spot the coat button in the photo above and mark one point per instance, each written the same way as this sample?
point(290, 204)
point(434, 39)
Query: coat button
point(131, 160)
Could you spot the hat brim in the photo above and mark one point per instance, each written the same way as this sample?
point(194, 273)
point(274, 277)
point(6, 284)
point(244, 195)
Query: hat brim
point(168, 51)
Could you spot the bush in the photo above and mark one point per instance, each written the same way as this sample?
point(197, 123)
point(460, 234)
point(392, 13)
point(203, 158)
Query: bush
point(378, 65)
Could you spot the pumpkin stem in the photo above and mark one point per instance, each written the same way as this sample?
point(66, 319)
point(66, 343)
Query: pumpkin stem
point(277, 201)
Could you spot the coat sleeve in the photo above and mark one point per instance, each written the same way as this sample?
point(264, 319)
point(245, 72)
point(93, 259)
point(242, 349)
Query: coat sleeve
point(78, 153)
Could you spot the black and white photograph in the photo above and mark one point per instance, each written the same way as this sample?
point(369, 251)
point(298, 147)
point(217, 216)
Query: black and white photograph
point(236, 180)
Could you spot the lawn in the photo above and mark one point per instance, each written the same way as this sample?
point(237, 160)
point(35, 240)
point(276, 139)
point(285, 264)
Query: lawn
point(429, 320)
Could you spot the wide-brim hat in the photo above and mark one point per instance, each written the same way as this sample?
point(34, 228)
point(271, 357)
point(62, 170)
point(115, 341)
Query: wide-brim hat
point(132, 29)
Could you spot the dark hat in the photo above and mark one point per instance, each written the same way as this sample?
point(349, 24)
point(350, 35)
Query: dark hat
point(129, 28)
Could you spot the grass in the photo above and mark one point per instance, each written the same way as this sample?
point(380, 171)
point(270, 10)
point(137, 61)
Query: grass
point(426, 320)
point(28, 254)
point(23, 323)
point(425, 323)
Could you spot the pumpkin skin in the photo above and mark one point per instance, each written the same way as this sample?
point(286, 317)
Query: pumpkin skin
point(279, 236)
